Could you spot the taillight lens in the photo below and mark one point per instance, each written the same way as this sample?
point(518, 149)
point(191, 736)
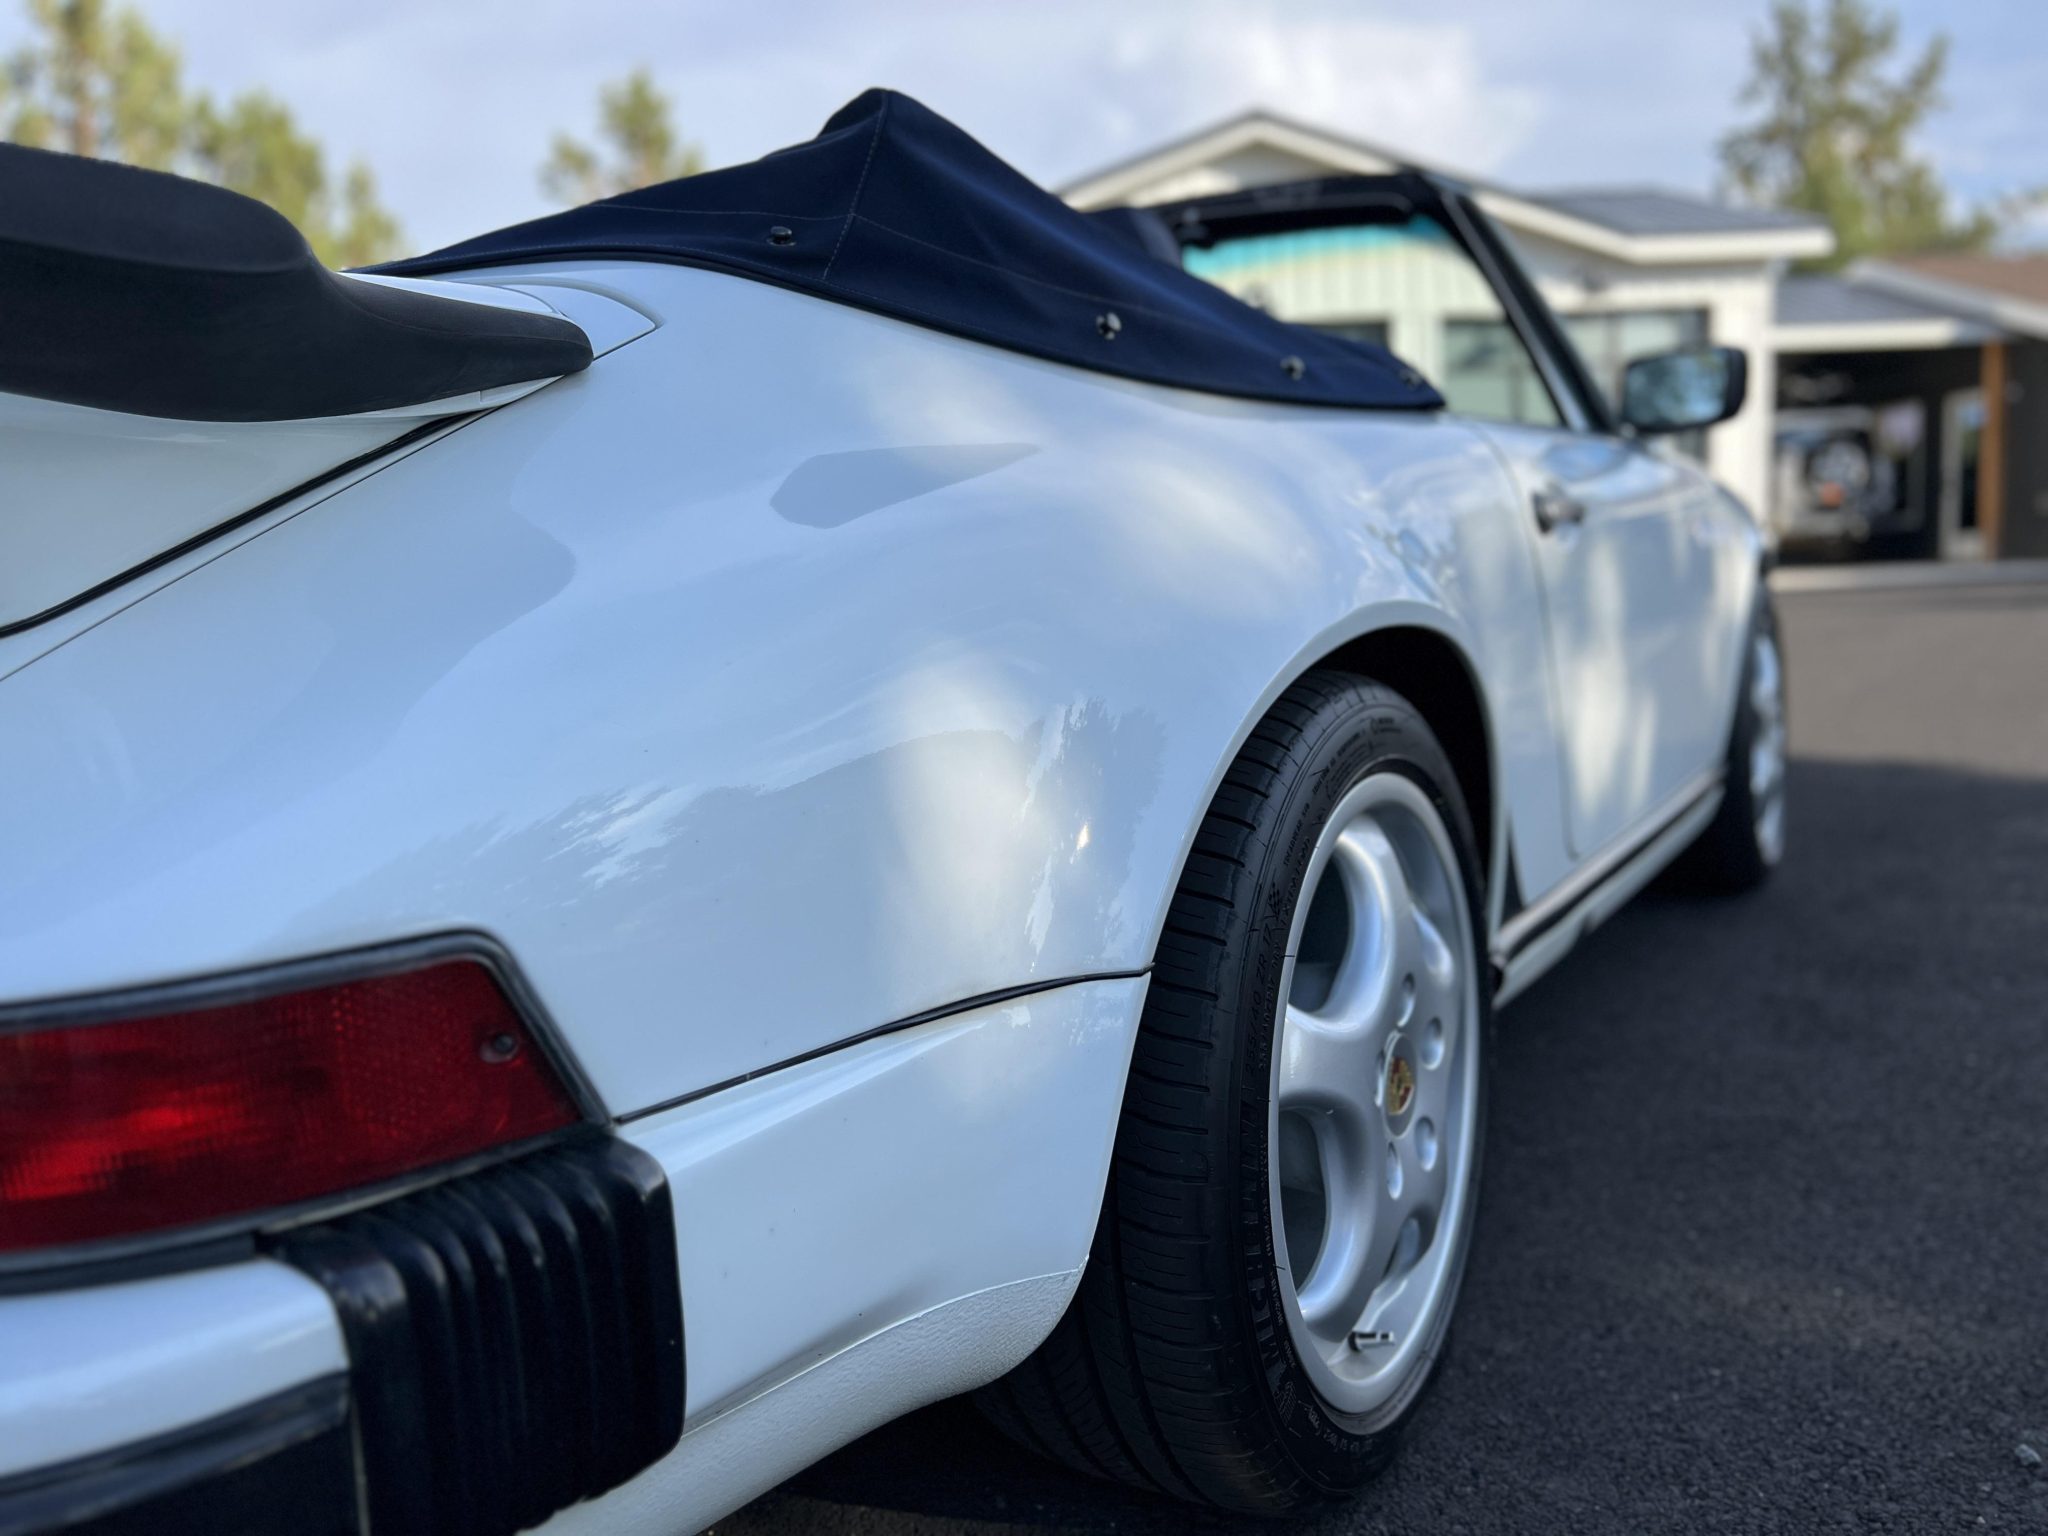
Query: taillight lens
point(114, 1128)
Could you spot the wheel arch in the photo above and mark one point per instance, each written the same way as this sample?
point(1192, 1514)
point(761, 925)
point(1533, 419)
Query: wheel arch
point(1433, 672)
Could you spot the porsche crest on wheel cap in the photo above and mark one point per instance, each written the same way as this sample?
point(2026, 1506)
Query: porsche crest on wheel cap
point(1400, 1087)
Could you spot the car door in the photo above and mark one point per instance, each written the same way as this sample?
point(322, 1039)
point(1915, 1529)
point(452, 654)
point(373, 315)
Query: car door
point(1632, 545)
point(1626, 542)
point(1641, 558)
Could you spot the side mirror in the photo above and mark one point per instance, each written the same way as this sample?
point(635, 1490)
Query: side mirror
point(1678, 391)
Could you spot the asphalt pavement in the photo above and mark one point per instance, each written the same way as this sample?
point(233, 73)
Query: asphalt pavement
point(1764, 1240)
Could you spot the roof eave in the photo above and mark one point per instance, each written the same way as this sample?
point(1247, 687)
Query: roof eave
point(1999, 310)
point(1793, 243)
point(1126, 181)
point(1117, 183)
point(1926, 335)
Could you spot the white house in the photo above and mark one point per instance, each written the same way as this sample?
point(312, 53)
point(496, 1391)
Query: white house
point(1930, 374)
point(1945, 359)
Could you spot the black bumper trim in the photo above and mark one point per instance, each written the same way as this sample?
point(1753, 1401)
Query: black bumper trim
point(284, 1464)
point(514, 1336)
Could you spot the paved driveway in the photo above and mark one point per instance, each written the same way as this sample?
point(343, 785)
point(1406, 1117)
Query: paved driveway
point(1765, 1240)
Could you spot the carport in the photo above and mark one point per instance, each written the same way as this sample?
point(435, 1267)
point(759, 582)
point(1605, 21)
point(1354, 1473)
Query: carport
point(1912, 407)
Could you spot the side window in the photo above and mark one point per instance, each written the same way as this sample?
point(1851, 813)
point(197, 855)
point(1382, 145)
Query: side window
point(1610, 341)
point(1375, 333)
point(1488, 373)
point(1407, 285)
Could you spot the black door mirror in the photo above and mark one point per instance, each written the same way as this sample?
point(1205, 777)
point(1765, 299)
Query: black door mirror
point(1677, 391)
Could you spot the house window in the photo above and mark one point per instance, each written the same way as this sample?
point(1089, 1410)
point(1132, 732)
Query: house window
point(1373, 333)
point(1488, 373)
point(1405, 284)
point(1610, 342)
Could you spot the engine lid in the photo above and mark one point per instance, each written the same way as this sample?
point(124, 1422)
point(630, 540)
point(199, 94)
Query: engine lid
point(87, 495)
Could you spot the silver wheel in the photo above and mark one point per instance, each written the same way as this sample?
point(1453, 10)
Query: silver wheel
point(1767, 745)
point(1374, 1104)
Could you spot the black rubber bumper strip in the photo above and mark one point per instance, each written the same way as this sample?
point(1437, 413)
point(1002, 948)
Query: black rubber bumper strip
point(284, 1466)
point(515, 1336)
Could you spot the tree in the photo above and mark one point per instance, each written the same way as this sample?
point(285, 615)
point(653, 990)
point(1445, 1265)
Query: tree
point(1834, 137)
point(97, 81)
point(254, 147)
point(101, 83)
point(634, 123)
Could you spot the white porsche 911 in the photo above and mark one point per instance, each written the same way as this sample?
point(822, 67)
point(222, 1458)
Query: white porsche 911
point(633, 847)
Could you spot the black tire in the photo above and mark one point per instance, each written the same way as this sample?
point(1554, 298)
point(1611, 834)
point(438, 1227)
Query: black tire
point(1731, 856)
point(1173, 1369)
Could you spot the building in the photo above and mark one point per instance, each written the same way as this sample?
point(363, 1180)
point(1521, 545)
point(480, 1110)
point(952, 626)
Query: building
point(1842, 369)
point(1941, 362)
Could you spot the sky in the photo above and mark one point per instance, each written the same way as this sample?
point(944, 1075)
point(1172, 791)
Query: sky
point(454, 105)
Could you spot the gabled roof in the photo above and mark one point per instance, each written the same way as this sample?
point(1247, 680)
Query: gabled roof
point(1660, 211)
point(1843, 314)
point(2024, 278)
point(1649, 226)
point(1126, 180)
point(2009, 292)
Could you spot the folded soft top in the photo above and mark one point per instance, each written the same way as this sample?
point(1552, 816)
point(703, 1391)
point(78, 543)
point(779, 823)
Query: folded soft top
point(133, 291)
point(893, 209)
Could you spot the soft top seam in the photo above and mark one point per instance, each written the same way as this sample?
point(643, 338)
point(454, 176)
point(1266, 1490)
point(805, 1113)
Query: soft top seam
point(859, 187)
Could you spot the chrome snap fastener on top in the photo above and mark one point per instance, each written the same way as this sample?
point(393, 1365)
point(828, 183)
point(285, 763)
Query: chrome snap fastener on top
point(782, 234)
point(1108, 324)
point(1293, 367)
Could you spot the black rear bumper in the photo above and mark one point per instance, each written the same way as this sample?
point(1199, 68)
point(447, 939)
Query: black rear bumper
point(285, 1463)
point(515, 1343)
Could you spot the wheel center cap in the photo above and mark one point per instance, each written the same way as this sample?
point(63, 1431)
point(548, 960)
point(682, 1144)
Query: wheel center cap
point(1400, 1086)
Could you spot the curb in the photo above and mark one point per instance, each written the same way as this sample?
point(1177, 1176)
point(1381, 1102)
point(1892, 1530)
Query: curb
point(1890, 576)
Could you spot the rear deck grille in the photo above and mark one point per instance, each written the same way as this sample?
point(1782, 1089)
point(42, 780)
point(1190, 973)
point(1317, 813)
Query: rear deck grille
point(514, 1336)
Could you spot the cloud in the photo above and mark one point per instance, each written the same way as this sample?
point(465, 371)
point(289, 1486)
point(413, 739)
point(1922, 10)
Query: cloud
point(453, 105)
point(453, 102)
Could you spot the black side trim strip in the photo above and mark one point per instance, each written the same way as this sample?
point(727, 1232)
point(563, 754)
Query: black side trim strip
point(1551, 909)
point(515, 1337)
point(284, 1464)
point(911, 1021)
point(1512, 901)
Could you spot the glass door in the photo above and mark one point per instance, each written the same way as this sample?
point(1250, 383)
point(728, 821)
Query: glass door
point(1962, 436)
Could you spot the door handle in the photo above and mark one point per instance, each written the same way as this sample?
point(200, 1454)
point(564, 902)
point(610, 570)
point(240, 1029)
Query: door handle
point(1554, 509)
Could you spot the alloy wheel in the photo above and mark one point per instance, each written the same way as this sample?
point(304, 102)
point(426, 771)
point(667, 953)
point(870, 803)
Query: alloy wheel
point(1374, 1104)
point(1767, 747)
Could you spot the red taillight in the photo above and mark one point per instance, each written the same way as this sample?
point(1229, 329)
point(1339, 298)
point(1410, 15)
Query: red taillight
point(116, 1128)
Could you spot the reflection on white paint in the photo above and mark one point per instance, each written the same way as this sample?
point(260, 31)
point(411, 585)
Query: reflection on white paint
point(821, 1203)
point(733, 787)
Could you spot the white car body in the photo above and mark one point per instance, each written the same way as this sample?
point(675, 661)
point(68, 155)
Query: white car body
point(818, 709)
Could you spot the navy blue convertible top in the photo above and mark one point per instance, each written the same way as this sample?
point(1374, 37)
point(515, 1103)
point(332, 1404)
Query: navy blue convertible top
point(893, 209)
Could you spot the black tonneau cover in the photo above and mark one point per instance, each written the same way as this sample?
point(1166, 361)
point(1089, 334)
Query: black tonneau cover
point(135, 291)
point(891, 208)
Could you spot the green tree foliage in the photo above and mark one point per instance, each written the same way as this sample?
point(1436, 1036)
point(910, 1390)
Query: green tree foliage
point(253, 146)
point(95, 80)
point(639, 146)
point(1834, 133)
point(99, 83)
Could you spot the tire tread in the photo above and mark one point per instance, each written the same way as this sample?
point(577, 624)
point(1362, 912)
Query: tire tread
point(1139, 1381)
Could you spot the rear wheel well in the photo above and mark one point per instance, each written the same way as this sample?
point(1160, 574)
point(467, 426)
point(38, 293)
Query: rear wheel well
point(1433, 675)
